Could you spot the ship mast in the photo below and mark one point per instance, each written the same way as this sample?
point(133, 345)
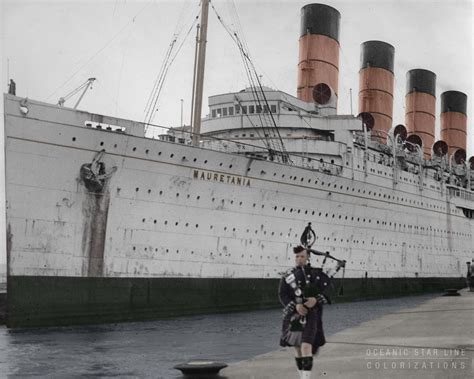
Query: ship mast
point(199, 71)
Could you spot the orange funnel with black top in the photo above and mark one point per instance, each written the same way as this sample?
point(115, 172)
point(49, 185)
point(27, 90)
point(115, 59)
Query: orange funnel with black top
point(318, 61)
point(454, 120)
point(376, 85)
point(420, 107)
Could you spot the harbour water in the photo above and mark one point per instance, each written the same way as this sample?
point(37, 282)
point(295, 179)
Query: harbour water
point(151, 349)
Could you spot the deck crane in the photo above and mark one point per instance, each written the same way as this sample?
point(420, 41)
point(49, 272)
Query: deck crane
point(86, 85)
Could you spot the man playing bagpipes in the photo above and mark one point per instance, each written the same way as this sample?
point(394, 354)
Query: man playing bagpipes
point(302, 292)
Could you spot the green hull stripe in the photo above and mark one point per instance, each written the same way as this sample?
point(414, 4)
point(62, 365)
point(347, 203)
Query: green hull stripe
point(52, 301)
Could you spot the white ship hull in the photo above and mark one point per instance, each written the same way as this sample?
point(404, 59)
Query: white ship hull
point(176, 211)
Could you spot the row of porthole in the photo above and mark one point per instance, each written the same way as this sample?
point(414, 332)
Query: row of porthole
point(414, 202)
point(459, 234)
point(134, 248)
point(230, 166)
point(146, 249)
point(334, 216)
point(283, 175)
point(309, 181)
point(187, 224)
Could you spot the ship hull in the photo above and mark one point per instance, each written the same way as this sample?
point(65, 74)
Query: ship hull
point(53, 301)
point(176, 229)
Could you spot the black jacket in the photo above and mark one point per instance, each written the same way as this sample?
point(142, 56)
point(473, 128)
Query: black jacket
point(318, 284)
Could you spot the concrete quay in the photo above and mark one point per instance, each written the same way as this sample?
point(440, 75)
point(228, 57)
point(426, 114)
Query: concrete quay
point(433, 340)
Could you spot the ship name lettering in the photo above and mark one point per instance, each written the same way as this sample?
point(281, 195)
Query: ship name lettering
point(221, 178)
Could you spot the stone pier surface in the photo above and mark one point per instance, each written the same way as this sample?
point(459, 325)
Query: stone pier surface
point(433, 340)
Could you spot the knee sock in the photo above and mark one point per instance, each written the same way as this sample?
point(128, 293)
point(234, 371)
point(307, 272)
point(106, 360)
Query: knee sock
point(307, 364)
point(299, 365)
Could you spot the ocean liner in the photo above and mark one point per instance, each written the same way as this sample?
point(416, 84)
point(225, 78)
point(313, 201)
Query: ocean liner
point(106, 224)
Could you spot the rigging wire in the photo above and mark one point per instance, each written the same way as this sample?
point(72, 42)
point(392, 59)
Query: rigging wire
point(240, 31)
point(159, 78)
point(150, 109)
point(277, 145)
point(268, 115)
point(177, 31)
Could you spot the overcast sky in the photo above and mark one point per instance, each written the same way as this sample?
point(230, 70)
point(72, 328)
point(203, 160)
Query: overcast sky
point(51, 47)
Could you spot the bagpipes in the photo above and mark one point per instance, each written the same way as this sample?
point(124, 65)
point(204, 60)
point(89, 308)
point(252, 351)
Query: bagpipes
point(307, 240)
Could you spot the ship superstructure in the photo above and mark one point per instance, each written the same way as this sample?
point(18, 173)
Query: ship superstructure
point(106, 224)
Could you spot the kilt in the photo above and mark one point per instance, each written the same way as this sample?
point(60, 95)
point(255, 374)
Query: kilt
point(312, 333)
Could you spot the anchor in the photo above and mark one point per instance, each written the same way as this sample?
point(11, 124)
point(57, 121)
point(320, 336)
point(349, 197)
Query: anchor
point(94, 175)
